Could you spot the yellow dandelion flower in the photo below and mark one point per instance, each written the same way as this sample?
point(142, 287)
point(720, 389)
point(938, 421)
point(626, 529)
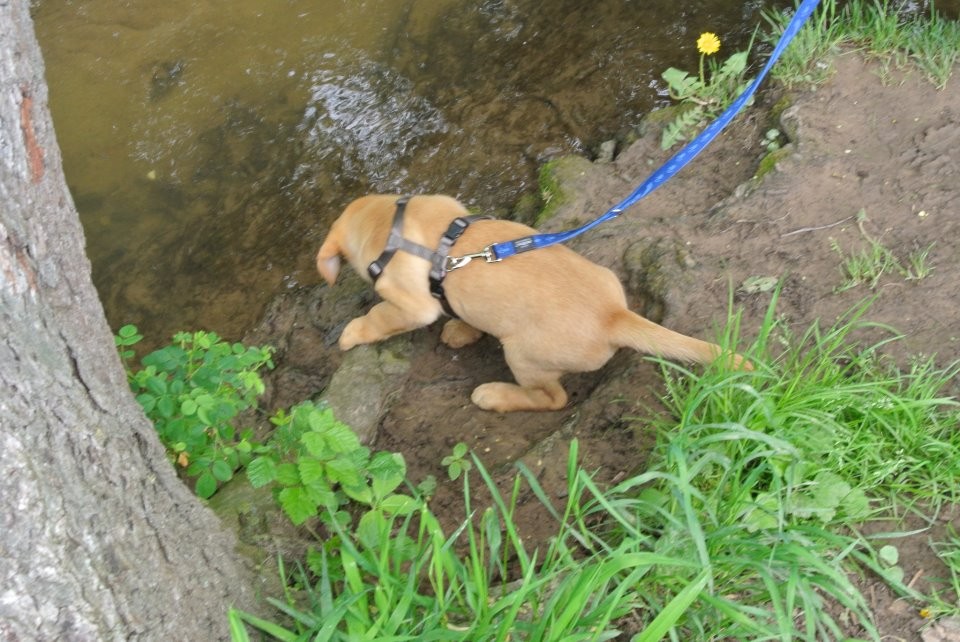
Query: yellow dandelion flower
point(708, 43)
point(925, 613)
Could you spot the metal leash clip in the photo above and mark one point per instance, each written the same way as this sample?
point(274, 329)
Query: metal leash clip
point(455, 262)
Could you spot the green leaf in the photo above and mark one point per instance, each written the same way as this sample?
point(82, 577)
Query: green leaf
point(127, 336)
point(681, 127)
point(321, 494)
point(399, 505)
point(345, 471)
point(734, 65)
point(674, 610)
point(387, 471)
point(454, 470)
point(196, 467)
point(369, 530)
point(680, 82)
point(316, 445)
point(460, 450)
point(763, 514)
point(889, 555)
point(428, 486)
point(297, 504)
point(261, 471)
point(831, 489)
point(147, 401)
point(128, 331)
point(359, 493)
point(318, 418)
point(856, 505)
point(188, 407)
point(338, 436)
point(206, 485)
point(167, 406)
point(287, 474)
point(894, 574)
point(157, 385)
point(221, 470)
point(311, 470)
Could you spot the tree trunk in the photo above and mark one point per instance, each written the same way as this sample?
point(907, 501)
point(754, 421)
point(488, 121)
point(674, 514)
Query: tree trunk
point(98, 538)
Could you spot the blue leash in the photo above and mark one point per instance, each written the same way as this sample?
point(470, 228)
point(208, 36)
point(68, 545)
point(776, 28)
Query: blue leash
point(500, 251)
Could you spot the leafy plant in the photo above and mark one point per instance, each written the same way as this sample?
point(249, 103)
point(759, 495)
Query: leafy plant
point(457, 462)
point(194, 392)
point(319, 466)
point(706, 95)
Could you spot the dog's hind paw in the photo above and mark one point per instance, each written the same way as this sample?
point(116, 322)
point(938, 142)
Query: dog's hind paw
point(457, 334)
point(508, 397)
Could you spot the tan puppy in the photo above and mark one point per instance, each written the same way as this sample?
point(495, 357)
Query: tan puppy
point(553, 311)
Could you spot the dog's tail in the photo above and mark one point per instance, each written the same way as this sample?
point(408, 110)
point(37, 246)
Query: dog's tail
point(630, 330)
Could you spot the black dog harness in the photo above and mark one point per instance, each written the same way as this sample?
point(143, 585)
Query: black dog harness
point(440, 261)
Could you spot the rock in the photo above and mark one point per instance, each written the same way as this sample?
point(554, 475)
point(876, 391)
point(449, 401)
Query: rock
point(653, 268)
point(790, 122)
point(563, 184)
point(360, 389)
point(607, 151)
point(944, 630)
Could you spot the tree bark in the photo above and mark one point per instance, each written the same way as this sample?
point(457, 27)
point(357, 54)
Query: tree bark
point(98, 538)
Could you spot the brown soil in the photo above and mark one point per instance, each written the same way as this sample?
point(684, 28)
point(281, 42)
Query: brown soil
point(884, 143)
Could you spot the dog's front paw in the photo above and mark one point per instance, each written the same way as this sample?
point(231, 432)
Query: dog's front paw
point(352, 335)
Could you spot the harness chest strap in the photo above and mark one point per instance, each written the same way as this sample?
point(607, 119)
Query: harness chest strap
point(438, 258)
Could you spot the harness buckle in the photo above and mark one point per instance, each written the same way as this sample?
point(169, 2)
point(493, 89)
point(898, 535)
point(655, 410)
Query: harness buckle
point(456, 262)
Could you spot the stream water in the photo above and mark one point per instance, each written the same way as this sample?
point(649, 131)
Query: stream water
point(209, 143)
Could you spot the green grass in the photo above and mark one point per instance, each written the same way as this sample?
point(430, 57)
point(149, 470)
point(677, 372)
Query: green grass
point(946, 599)
point(867, 266)
point(480, 582)
point(842, 404)
point(895, 38)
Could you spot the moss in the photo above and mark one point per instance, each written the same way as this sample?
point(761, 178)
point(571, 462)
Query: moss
point(556, 178)
point(526, 209)
point(785, 102)
point(550, 192)
point(769, 162)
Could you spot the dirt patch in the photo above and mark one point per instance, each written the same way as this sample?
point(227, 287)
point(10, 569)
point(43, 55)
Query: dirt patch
point(873, 144)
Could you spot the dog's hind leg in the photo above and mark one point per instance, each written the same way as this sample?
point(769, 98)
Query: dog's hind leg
point(535, 389)
point(457, 333)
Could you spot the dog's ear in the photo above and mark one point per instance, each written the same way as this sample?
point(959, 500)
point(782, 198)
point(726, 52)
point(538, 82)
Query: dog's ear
point(328, 258)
